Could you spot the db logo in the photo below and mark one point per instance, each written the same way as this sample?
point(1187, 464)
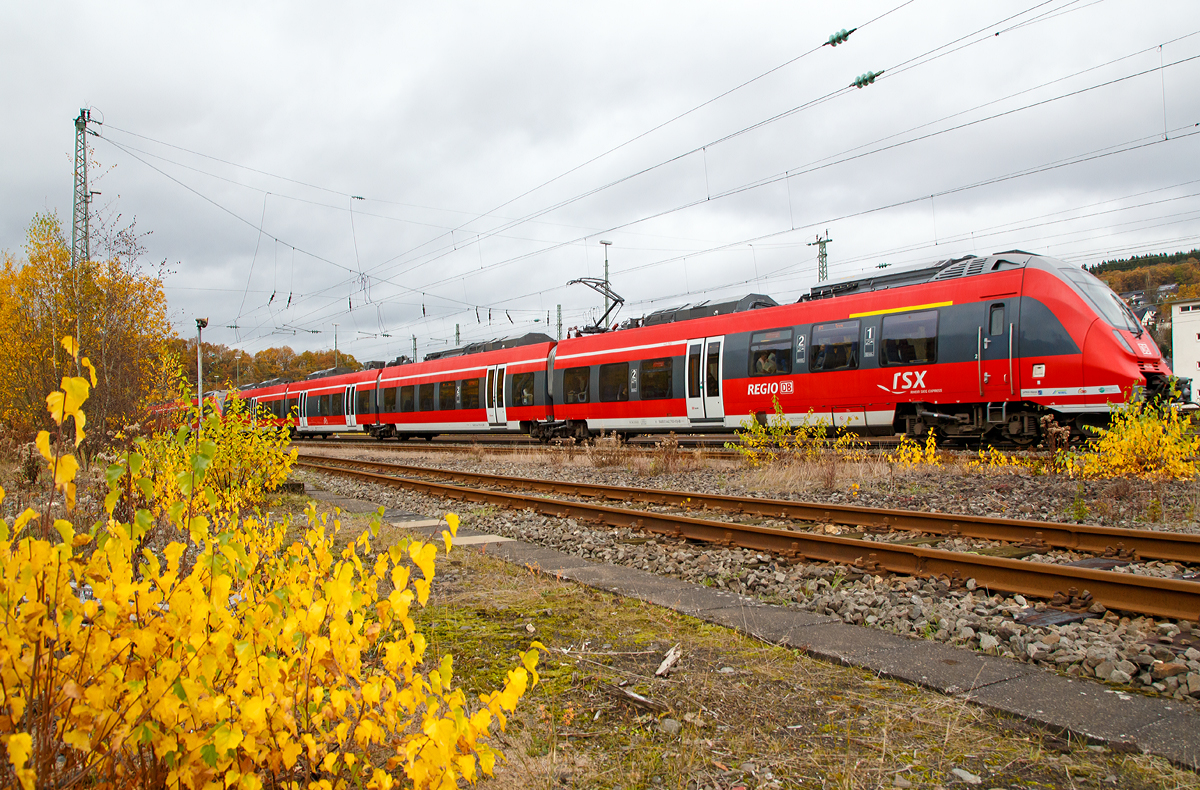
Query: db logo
point(771, 388)
point(908, 380)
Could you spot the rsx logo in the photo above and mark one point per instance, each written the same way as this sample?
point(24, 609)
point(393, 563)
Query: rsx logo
point(903, 381)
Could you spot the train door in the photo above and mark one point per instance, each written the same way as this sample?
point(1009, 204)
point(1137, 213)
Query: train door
point(495, 397)
point(350, 394)
point(302, 416)
point(705, 361)
point(995, 353)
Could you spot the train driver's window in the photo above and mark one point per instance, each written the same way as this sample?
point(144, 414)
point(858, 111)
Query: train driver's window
point(522, 387)
point(408, 397)
point(909, 338)
point(996, 320)
point(614, 382)
point(771, 353)
point(575, 385)
point(834, 346)
point(657, 379)
point(446, 398)
point(426, 398)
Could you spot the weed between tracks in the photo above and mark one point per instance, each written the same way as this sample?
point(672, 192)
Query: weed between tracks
point(751, 714)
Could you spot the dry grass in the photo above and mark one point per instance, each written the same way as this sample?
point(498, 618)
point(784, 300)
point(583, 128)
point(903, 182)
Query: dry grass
point(752, 714)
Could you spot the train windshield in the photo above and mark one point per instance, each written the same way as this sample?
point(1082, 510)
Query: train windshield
point(1107, 304)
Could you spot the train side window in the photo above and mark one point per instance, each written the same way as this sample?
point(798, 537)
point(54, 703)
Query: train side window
point(693, 371)
point(470, 393)
point(909, 338)
point(834, 346)
point(614, 382)
point(575, 385)
point(522, 387)
point(365, 402)
point(996, 320)
point(657, 379)
point(771, 353)
point(712, 370)
point(499, 390)
point(446, 399)
point(426, 398)
point(408, 398)
point(339, 405)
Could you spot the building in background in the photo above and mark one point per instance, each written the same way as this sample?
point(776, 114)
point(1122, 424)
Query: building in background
point(1185, 338)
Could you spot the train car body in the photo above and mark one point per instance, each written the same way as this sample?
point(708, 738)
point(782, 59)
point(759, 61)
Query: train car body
point(500, 390)
point(972, 348)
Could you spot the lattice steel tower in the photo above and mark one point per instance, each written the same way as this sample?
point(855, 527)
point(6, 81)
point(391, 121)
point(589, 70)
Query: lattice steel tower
point(80, 251)
point(822, 257)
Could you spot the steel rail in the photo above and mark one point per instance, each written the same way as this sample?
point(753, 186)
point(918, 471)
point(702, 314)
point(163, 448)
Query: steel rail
point(1077, 537)
point(1142, 594)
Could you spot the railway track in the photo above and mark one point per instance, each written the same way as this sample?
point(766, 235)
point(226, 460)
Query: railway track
point(1173, 598)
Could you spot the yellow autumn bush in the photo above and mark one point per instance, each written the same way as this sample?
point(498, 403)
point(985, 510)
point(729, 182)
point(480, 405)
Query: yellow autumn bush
point(236, 659)
point(247, 458)
point(762, 443)
point(1149, 439)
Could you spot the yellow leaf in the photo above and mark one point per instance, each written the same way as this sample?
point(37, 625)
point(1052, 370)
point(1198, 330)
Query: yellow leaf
point(19, 748)
point(43, 445)
point(92, 370)
point(65, 470)
point(68, 342)
point(452, 520)
point(54, 404)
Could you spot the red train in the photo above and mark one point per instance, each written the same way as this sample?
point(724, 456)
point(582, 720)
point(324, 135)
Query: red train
point(972, 348)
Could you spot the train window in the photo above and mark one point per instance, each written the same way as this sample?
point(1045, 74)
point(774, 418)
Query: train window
point(693, 371)
point(771, 353)
point(522, 387)
point(996, 320)
point(408, 397)
point(470, 393)
point(338, 406)
point(575, 385)
point(712, 368)
point(491, 388)
point(425, 398)
point(657, 379)
point(500, 388)
point(834, 346)
point(385, 401)
point(614, 382)
point(365, 402)
point(910, 338)
point(446, 399)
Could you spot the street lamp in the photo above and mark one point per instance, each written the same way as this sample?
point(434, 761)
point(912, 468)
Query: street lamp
point(606, 244)
point(200, 324)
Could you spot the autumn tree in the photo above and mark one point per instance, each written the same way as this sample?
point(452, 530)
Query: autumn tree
point(118, 311)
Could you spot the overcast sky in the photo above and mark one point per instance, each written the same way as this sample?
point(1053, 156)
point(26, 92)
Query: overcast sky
point(494, 145)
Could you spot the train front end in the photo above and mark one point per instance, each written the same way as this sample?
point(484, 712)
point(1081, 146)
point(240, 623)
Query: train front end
point(1117, 349)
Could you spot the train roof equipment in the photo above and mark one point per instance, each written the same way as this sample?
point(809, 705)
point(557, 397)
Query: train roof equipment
point(952, 269)
point(527, 339)
point(601, 287)
point(706, 309)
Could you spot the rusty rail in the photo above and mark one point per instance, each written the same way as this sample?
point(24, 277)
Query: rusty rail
point(1143, 594)
point(1078, 537)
